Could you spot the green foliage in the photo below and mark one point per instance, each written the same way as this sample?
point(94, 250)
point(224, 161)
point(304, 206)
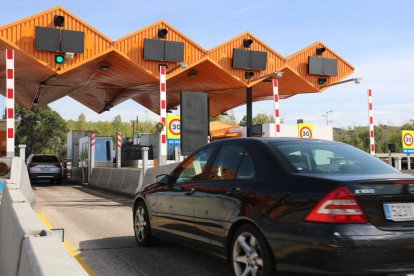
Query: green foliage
point(260, 118)
point(42, 131)
point(112, 128)
point(230, 118)
point(384, 135)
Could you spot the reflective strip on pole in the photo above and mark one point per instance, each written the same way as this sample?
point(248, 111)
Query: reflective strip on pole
point(163, 110)
point(277, 107)
point(118, 151)
point(119, 141)
point(371, 123)
point(10, 101)
point(93, 140)
point(91, 164)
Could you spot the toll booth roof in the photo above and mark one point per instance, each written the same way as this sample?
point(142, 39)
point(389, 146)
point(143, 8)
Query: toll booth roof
point(104, 73)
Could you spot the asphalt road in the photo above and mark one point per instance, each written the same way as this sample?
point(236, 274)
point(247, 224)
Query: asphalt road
point(99, 226)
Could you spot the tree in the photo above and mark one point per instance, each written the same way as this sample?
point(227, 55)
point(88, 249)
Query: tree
point(260, 118)
point(263, 118)
point(42, 130)
point(81, 123)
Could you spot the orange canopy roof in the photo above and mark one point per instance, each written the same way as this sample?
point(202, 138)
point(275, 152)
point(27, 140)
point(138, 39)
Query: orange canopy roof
point(131, 77)
point(219, 130)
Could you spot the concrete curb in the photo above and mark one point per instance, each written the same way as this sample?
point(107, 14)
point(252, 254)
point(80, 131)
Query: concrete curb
point(27, 247)
point(126, 181)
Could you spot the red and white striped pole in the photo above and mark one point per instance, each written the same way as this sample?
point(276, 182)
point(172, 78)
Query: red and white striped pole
point(93, 141)
point(118, 151)
point(92, 156)
point(10, 101)
point(162, 157)
point(277, 107)
point(371, 123)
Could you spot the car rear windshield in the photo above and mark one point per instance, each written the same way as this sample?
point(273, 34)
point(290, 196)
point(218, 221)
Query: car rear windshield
point(325, 157)
point(45, 159)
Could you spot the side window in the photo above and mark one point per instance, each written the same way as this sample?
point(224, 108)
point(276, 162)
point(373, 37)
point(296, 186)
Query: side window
point(226, 163)
point(246, 169)
point(193, 168)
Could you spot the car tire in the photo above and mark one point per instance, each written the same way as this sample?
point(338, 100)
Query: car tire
point(250, 253)
point(142, 227)
point(59, 181)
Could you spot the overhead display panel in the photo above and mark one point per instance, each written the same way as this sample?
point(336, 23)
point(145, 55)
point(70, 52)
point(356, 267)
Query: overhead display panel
point(47, 39)
point(72, 41)
point(153, 49)
point(251, 60)
point(322, 66)
point(241, 59)
point(163, 50)
point(258, 60)
point(174, 51)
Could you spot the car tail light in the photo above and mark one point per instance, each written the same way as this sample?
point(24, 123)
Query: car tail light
point(339, 206)
point(57, 165)
point(32, 165)
point(404, 182)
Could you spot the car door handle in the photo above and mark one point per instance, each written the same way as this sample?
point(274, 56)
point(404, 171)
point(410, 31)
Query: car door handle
point(233, 191)
point(190, 191)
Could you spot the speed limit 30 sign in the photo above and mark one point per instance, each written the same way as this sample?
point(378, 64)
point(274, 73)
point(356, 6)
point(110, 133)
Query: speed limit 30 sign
point(173, 129)
point(408, 141)
point(305, 131)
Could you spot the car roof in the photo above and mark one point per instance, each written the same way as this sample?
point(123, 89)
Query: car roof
point(266, 140)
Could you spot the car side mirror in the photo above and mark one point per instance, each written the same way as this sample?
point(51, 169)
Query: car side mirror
point(165, 179)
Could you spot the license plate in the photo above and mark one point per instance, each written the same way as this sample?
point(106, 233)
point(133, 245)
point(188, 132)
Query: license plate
point(399, 211)
point(45, 169)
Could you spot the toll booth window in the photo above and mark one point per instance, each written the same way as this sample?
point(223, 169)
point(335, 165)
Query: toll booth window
point(101, 150)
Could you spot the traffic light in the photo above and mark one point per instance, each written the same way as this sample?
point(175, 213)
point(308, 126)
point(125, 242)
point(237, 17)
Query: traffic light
point(248, 75)
point(59, 58)
point(321, 81)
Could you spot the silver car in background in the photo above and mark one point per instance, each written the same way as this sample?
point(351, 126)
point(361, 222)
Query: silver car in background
point(44, 167)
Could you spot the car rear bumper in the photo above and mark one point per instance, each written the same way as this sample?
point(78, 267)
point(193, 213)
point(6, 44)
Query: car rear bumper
point(390, 253)
point(38, 176)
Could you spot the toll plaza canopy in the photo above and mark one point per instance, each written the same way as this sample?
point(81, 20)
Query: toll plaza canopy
point(106, 72)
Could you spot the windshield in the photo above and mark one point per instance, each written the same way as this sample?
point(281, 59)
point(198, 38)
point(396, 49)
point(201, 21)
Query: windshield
point(45, 159)
point(325, 157)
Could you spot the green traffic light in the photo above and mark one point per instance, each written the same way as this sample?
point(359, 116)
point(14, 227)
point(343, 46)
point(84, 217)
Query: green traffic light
point(321, 80)
point(59, 59)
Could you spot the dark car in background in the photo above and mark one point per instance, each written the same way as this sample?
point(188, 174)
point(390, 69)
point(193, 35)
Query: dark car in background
point(284, 204)
point(44, 167)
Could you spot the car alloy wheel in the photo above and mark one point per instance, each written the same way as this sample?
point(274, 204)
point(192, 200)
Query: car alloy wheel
point(250, 253)
point(140, 224)
point(142, 227)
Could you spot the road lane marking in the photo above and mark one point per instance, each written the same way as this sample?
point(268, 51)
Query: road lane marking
point(71, 250)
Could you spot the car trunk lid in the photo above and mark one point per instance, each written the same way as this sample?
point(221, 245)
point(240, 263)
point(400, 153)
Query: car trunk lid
point(387, 201)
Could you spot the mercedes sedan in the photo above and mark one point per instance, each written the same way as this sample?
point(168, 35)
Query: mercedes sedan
point(284, 204)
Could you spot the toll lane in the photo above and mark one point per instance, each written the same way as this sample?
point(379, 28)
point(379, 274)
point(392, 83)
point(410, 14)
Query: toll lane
point(99, 226)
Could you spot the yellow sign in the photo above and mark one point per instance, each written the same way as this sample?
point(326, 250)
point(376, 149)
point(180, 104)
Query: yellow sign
point(173, 127)
point(305, 131)
point(408, 141)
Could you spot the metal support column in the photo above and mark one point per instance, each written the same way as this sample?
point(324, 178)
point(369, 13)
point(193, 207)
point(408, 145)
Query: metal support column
point(249, 112)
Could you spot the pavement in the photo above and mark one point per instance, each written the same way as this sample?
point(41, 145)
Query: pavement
point(98, 225)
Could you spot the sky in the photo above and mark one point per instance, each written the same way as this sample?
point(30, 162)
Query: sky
point(375, 36)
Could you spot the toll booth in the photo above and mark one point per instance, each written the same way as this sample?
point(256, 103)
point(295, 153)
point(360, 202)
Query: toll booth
point(79, 154)
point(104, 152)
point(131, 151)
point(73, 146)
